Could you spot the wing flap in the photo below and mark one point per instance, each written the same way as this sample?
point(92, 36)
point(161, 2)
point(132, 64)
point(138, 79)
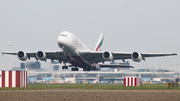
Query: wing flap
point(157, 54)
point(114, 65)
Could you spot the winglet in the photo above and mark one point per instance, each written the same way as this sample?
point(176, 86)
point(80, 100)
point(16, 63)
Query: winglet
point(99, 43)
point(174, 53)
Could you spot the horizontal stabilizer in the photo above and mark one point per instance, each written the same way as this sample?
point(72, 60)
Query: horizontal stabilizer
point(114, 65)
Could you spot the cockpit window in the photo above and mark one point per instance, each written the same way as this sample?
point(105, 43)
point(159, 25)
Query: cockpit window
point(63, 35)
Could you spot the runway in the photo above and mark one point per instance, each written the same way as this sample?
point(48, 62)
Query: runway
point(90, 95)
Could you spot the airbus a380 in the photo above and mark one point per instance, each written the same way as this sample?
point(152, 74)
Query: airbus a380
point(78, 55)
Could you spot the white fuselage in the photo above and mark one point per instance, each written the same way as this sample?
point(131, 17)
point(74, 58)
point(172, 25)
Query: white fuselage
point(71, 45)
point(73, 80)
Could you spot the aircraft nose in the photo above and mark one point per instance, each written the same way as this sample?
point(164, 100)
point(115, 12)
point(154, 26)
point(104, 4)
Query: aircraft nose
point(63, 41)
point(60, 41)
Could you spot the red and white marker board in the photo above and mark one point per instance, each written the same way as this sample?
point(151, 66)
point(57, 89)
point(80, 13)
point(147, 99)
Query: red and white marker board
point(131, 81)
point(13, 78)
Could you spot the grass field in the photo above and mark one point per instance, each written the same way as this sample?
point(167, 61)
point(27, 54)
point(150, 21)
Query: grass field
point(98, 86)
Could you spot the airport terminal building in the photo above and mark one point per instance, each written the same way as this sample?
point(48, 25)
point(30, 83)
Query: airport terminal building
point(108, 76)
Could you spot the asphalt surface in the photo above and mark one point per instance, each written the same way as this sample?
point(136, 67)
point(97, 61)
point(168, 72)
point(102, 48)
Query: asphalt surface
point(89, 95)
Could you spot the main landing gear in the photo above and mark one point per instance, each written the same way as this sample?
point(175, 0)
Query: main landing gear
point(64, 67)
point(75, 69)
point(86, 69)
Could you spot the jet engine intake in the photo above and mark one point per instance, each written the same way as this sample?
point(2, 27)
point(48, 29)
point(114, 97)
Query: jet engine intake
point(22, 56)
point(107, 56)
point(136, 57)
point(41, 55)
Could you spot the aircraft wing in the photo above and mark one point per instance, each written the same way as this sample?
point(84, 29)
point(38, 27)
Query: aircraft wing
point(53, 55)
point(97, 56)
point(114, 65)
point(118, 55)
point(30, 54)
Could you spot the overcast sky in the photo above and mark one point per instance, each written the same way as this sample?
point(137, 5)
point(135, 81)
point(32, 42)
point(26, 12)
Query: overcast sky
point(151, 26)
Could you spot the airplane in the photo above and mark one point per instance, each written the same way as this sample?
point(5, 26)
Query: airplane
point(142, 79)
point(31, 79)
point(72, 80)
point(78, 55)
point(97, 79)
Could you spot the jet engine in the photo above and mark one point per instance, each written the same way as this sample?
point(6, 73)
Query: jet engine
point(136, 57)
point(107, 56)
point(22, 56)
point(41, 55)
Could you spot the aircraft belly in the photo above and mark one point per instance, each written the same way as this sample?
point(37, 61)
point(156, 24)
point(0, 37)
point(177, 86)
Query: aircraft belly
point(77, 61)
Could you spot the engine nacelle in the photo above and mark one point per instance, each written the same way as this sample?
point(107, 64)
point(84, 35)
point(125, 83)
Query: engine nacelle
point(96, 67)
point(136, 57)
point(22, 56)
point(41, 55)
point(107, 56)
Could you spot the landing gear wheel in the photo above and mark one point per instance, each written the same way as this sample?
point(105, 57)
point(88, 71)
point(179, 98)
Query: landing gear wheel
point(77, 69)
point(86, 69)
point(64, 67)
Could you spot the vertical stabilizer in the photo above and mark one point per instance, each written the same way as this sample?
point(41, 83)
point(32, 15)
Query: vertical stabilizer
point(99, 43)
